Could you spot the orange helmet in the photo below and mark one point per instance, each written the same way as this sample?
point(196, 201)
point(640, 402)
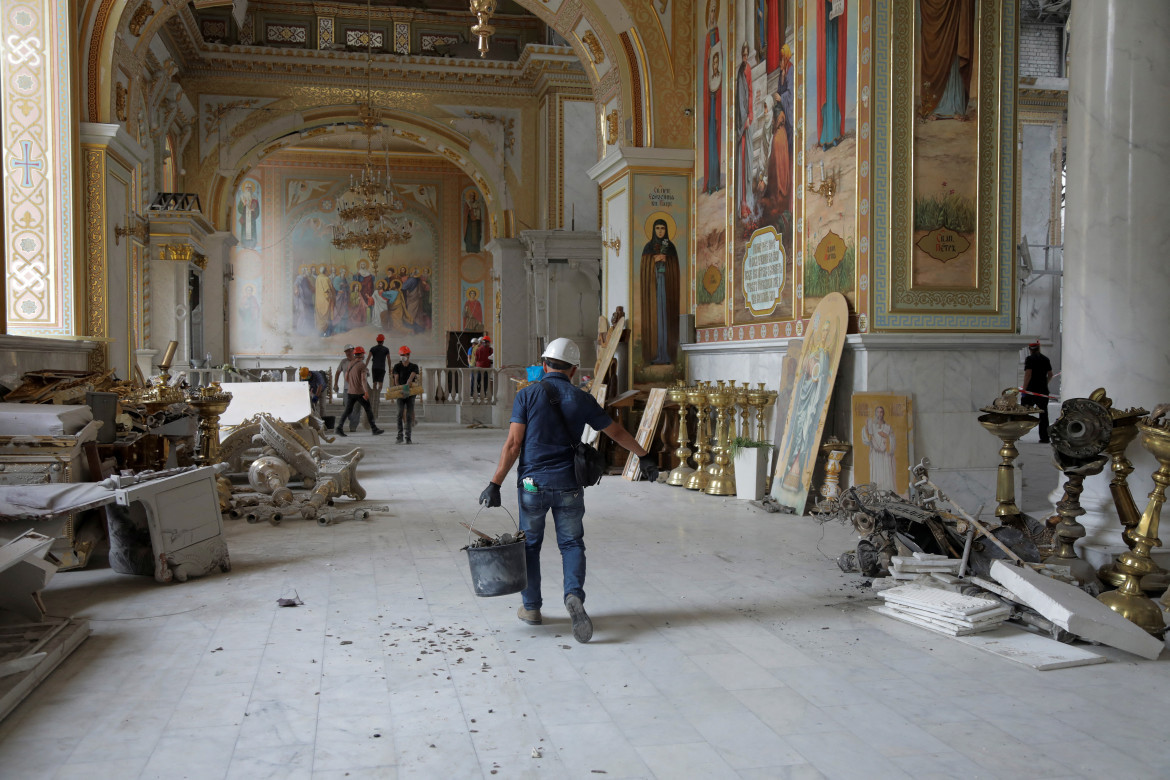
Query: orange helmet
point(404, 350)
point(381, 338)
point(359, 350)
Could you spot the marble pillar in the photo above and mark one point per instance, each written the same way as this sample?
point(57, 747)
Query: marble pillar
point(1116, 279)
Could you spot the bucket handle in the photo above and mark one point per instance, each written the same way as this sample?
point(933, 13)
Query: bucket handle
point(477, 514)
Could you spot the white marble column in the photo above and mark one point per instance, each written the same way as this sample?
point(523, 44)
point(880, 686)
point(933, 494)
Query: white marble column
point(1116, 279)
point(215, 300)
point(509, 276)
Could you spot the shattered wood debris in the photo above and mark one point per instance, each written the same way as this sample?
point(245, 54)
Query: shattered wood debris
point(485, 540)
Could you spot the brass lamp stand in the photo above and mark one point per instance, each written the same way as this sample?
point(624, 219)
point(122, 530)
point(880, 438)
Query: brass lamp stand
point(1128, 600)
point(721, 480)
point(209, 402)
point(681, 473)
point(697, 396)
point(1007, 423)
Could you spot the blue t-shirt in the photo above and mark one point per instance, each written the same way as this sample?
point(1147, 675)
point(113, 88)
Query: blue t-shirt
point(547, 456)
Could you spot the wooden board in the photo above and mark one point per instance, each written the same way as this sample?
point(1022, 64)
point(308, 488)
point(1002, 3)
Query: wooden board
point(883, 432)
point(589, 436)
point(815, 375)
point(784, 396)
point(646, 428)
point(605, 357)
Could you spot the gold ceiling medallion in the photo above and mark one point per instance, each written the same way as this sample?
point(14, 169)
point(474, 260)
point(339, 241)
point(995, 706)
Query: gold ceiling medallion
point(611, 127)
point(483, 10)
point(138, 21)
point(370, 211)
point(596, 53)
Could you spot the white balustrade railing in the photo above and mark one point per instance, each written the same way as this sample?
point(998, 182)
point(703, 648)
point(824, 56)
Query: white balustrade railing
point(461, 385)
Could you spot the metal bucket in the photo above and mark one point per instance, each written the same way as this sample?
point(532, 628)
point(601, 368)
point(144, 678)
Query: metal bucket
point(497, 570)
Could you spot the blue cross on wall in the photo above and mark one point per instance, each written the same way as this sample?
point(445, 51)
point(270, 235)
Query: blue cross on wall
point(26, 165)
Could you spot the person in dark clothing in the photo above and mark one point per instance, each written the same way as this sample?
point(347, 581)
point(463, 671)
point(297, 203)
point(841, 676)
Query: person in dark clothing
point(547, 481)
point(357, 391)
point(377, 358)
point(404, 373)
point(318, 383)
point(1037, 374)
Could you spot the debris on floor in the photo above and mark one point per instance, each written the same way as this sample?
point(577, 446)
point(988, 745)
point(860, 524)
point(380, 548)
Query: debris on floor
point(944, 611)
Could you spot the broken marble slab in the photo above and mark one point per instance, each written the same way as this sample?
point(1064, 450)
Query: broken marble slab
point(934, 624)
point(985, 621)
point(1029, 649)
point(1076, 611)
point(945, 602)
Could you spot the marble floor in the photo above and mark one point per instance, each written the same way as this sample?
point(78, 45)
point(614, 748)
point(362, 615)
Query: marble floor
point(727, 644)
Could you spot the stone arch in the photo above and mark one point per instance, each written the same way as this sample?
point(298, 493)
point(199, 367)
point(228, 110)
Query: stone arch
point(290, 128)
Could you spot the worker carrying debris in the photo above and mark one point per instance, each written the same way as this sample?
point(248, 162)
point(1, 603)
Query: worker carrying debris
point(547, 420)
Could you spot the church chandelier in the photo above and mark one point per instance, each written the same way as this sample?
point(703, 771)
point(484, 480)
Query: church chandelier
point(370, 213)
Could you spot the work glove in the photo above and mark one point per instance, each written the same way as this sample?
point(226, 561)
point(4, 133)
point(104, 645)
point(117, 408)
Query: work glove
point(649, 466)
point(491, 495)
point(405, 391)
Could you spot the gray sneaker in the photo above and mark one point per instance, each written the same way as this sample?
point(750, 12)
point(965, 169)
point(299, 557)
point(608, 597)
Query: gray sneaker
point(582, 625)
point(529, 616)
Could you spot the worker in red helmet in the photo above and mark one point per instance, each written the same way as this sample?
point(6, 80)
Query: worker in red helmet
point(405, 373)
point(376, 359)
point(357, 390)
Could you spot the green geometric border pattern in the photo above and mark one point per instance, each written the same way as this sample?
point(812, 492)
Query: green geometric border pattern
point(895, 306)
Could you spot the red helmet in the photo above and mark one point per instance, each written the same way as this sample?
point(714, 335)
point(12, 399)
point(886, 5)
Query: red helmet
point(404, 350)
point(359, 350)
point(487, 338)
point(381, 338)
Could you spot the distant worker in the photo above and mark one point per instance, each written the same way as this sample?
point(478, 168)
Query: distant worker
point(377, 359)
point(404, 373)
point(339, 374)
point(318, 383)
point(1037, 375)
point(357, 391)
point(542, 439)
point(483, 362)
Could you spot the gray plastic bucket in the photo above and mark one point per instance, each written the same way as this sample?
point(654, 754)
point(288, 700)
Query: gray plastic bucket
point(497, 570)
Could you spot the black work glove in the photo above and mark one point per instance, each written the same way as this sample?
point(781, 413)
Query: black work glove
point(649, 466)
point(490, 495)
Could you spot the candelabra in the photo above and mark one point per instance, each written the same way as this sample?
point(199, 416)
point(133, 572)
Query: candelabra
point(681, 473)
point(697, 397)
point(828, 186)
point(722, 475)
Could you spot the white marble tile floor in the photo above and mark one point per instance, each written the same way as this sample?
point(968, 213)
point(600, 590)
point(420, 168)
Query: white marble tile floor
point(727, 644)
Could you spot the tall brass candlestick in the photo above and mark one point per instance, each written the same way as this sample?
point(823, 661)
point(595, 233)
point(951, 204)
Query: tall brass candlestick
point(722, 476)
point(744, 399)
point(1007, 425)
point(1128, 600)
point(697, 396)
point(682, 472)
point(209, 402)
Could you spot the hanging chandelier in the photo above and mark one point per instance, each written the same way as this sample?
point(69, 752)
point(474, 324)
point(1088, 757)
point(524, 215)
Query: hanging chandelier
point(370, 210)
point(482, 29)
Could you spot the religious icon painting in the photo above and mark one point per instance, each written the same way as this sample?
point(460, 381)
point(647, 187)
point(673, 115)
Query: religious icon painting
point(474, 222)
point(883, 440)
point(660, 207)
point(784, 395)
point(807, 411)
point(248, 214)
point(655, 402)
point(710, 175)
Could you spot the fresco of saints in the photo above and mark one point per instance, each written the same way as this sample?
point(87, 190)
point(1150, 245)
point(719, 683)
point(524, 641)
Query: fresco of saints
point(659, 297)
point(248, 211)
point(303, 290)
point(472, 222)
point(472, 310)
point(323, 302)
point(357, 306)
point(366, 279)
point(713, 104)
point(340, 299)
point(831, 72)
point(948, 46)
point(744, 115)
point(878, 436)
point(775, 24)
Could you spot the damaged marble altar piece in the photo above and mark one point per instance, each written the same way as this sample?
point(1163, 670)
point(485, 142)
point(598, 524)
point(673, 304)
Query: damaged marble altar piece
point(326, 475)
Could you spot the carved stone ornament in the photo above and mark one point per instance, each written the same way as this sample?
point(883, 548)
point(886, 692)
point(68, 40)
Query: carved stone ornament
point(611, 127)
point(138, 21)
point(596, 53)
point(121, 95)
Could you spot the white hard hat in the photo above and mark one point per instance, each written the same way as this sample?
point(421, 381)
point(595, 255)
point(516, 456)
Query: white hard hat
point(564, 350)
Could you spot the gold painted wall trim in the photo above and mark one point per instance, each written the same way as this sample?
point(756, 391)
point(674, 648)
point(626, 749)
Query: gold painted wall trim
point(96, 262)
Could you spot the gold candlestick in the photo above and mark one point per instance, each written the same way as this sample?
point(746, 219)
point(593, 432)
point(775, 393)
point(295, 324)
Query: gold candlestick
point(697, 396)
point(681, 473)
point(722, 475)
point(1079, 439)
point(834, 452)
point(744, 399)
point(1128, 600)
point(209, 402)
point(1007, 422)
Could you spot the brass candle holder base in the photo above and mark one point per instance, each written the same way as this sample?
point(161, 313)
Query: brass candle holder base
point(1007, 426)
point(697, 397)
point(680, 474)
point(834, 452)
point(1128, 600)
point(721, 479)
point(209, 403)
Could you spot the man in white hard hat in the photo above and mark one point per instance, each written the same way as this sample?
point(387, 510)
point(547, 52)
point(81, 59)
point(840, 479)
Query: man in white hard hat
point(543, 443)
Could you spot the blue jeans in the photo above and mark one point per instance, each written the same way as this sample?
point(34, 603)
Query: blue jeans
point(568, 511)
